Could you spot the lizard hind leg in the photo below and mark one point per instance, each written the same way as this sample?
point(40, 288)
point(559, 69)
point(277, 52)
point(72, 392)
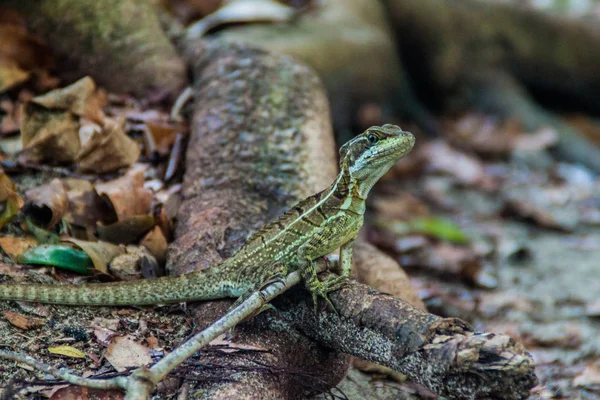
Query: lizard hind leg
point(277, 273)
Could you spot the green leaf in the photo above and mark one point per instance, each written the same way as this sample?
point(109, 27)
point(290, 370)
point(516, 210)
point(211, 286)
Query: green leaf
point(59, 256)
point(439, 228)
point(42, 235)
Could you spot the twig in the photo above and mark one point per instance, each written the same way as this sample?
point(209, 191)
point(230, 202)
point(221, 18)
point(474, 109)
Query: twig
point(141, 383)
point(118, 382)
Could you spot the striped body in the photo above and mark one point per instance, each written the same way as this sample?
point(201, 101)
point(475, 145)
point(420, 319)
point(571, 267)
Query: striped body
point(316, 226)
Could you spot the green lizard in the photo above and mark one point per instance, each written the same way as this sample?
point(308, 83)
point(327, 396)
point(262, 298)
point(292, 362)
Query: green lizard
point(316, 226)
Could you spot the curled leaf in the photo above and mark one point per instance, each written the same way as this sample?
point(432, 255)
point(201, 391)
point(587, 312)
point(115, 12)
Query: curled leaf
point(47, 204)
point(126, 231)
point(108, 150)
point(101, 253)
point(79, 98)
point(127, 194)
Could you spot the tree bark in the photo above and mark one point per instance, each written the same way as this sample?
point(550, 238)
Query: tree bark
point(260, 141)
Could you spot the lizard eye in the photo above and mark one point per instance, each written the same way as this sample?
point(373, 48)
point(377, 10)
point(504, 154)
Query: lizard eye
point(372, 138)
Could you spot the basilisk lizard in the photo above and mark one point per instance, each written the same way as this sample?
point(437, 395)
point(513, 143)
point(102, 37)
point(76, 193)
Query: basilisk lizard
point(316, 226)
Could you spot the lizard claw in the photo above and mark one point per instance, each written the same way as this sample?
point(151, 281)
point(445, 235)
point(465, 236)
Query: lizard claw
point(320, 289)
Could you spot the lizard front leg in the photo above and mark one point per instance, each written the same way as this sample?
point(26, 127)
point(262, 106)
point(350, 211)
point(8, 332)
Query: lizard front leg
point(309, 272)
point(336, 282)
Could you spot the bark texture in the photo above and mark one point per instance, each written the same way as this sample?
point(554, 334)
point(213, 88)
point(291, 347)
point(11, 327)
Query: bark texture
point(119, 43)
point(261, 140)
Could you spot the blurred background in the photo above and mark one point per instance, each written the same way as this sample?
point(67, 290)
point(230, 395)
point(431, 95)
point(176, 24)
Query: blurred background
point(494, 215)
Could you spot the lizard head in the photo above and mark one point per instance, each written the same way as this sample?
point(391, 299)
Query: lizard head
point(372, 153)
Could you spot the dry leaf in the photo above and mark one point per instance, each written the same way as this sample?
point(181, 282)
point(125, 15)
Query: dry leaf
point(123, 352)
point(163, 136)
point(127, 194)
point(108, 150)
point(22, 321)
point(67, 351)
point(78, 98)
point(104, 335)
point(15, 246)
point(47, 135)
point(11, 74)
point(130, 230)
point(152, 342)
point(86, 208)
point(84, 393)
point(156, 243)
point(101, 253)
point(47, 203)
point(10, 201)
point(112, 324)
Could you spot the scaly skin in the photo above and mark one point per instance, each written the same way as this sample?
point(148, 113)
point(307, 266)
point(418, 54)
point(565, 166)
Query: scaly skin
point(315, 227)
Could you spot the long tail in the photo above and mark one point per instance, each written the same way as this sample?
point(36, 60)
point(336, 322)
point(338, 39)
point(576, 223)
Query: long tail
point(202, 285)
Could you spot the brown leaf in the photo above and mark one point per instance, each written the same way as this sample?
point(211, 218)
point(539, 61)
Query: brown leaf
point(10, 201)
point(48, 203)
point(49, 136)
point(376, 269)
point(162, 136)
point(152, 342)
point(78, 98)
point(101, 253)
point(540, 140)
point(127, 231)
point(11, 74)
point(84, 393)
point(22, 321)
point(86, 207)
point(127, 194)
point(15, 246)
point(104, 335)
point(108, 150)
point(156, 243)
point(123, 352)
